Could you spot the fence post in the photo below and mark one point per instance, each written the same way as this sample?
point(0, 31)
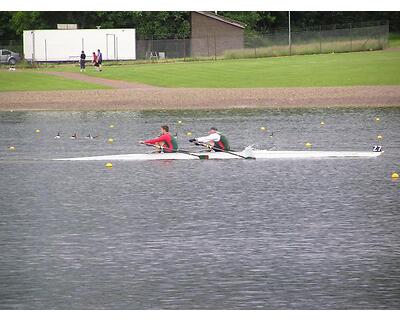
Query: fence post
point(215, 46)
point(208, 46)
point(320, 39)
point(184, 49)
point(33, 46)
point(116, 44)
point(115, 51)
point(45, 50)
point(176, 47)
point(387, 35)
point(290, 38)
point(380, 44)
point(106, 46)
point(351, 38)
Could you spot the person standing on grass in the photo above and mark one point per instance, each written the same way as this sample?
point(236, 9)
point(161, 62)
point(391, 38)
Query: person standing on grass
point(82, 61)
point(99, 58)
point(94, 61)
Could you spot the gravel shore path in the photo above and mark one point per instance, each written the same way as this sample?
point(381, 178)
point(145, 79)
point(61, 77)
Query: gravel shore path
point(132, 96)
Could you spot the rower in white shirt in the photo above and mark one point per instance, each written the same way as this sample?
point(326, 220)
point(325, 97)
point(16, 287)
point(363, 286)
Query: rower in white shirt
point(215, 140)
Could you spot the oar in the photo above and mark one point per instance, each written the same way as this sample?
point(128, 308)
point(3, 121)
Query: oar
point(200, 156)
point(226, 151)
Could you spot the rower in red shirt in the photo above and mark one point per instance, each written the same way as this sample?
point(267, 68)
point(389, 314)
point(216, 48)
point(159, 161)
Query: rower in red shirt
point(165, 142)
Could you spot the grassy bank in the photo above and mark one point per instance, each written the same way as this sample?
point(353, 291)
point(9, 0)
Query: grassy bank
point(345, 69)
point(27, 80)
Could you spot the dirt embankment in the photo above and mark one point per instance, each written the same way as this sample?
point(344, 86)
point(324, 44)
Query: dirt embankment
point(131, 96)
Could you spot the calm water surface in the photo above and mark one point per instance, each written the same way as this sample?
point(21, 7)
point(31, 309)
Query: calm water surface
point(235, 234)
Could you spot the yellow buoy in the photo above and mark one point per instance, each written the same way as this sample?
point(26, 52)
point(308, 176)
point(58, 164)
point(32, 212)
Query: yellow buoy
point(379, 137)
point(308, 145)
point(111, 126)
point(395, 175)
point(111, 140)
point(189, 133)
point(322, 123)
point(263, 128)
point(12, 148)
point(37, 130)
point(109, 165)
point(180, 121)
point(377, 119)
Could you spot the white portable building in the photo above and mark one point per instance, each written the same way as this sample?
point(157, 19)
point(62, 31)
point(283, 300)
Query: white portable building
point(66, 45)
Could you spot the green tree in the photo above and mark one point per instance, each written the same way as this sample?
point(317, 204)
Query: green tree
point(6, 30)
point(176, 24)
point(25, 20)
point(162, 24)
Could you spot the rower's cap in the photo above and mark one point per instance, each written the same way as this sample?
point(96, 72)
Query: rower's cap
point(213, 128)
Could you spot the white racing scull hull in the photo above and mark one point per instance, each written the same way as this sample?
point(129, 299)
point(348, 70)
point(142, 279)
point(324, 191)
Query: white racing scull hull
point(257, 154)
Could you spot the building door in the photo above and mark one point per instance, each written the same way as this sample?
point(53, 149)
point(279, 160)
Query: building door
point(110, 46)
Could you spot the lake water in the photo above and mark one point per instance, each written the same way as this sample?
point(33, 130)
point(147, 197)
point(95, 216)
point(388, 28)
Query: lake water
point(234, 234)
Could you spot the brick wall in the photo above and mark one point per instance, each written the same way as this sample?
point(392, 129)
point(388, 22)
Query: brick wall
point(212, 37)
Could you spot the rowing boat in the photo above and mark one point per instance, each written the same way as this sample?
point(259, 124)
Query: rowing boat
point(257, 154)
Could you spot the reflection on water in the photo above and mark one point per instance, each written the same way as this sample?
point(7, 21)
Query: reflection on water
point(292, 234)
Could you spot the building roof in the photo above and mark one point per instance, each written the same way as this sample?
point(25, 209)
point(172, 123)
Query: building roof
point(222, 19)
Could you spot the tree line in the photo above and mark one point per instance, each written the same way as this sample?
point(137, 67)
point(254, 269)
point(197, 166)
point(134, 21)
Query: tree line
point(176, 24)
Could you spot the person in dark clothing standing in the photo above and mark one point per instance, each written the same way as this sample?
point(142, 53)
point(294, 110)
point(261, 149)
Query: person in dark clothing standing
point(99, 58)
point(82, 61)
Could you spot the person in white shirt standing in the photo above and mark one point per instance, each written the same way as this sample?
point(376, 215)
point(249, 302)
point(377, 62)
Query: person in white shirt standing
point(215, 140)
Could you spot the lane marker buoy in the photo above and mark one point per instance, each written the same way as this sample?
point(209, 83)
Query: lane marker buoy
point(380, 137)
point(37, 130)
point(189, 133)
point(12, 148)
point(263, 128)
point(308, 145)
point(111, 126)
point(395, 175)
point(111, 140)
point(109, 165)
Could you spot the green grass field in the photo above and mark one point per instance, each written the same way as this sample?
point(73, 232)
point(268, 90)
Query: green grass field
point(344, 69)
point(27, 80)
